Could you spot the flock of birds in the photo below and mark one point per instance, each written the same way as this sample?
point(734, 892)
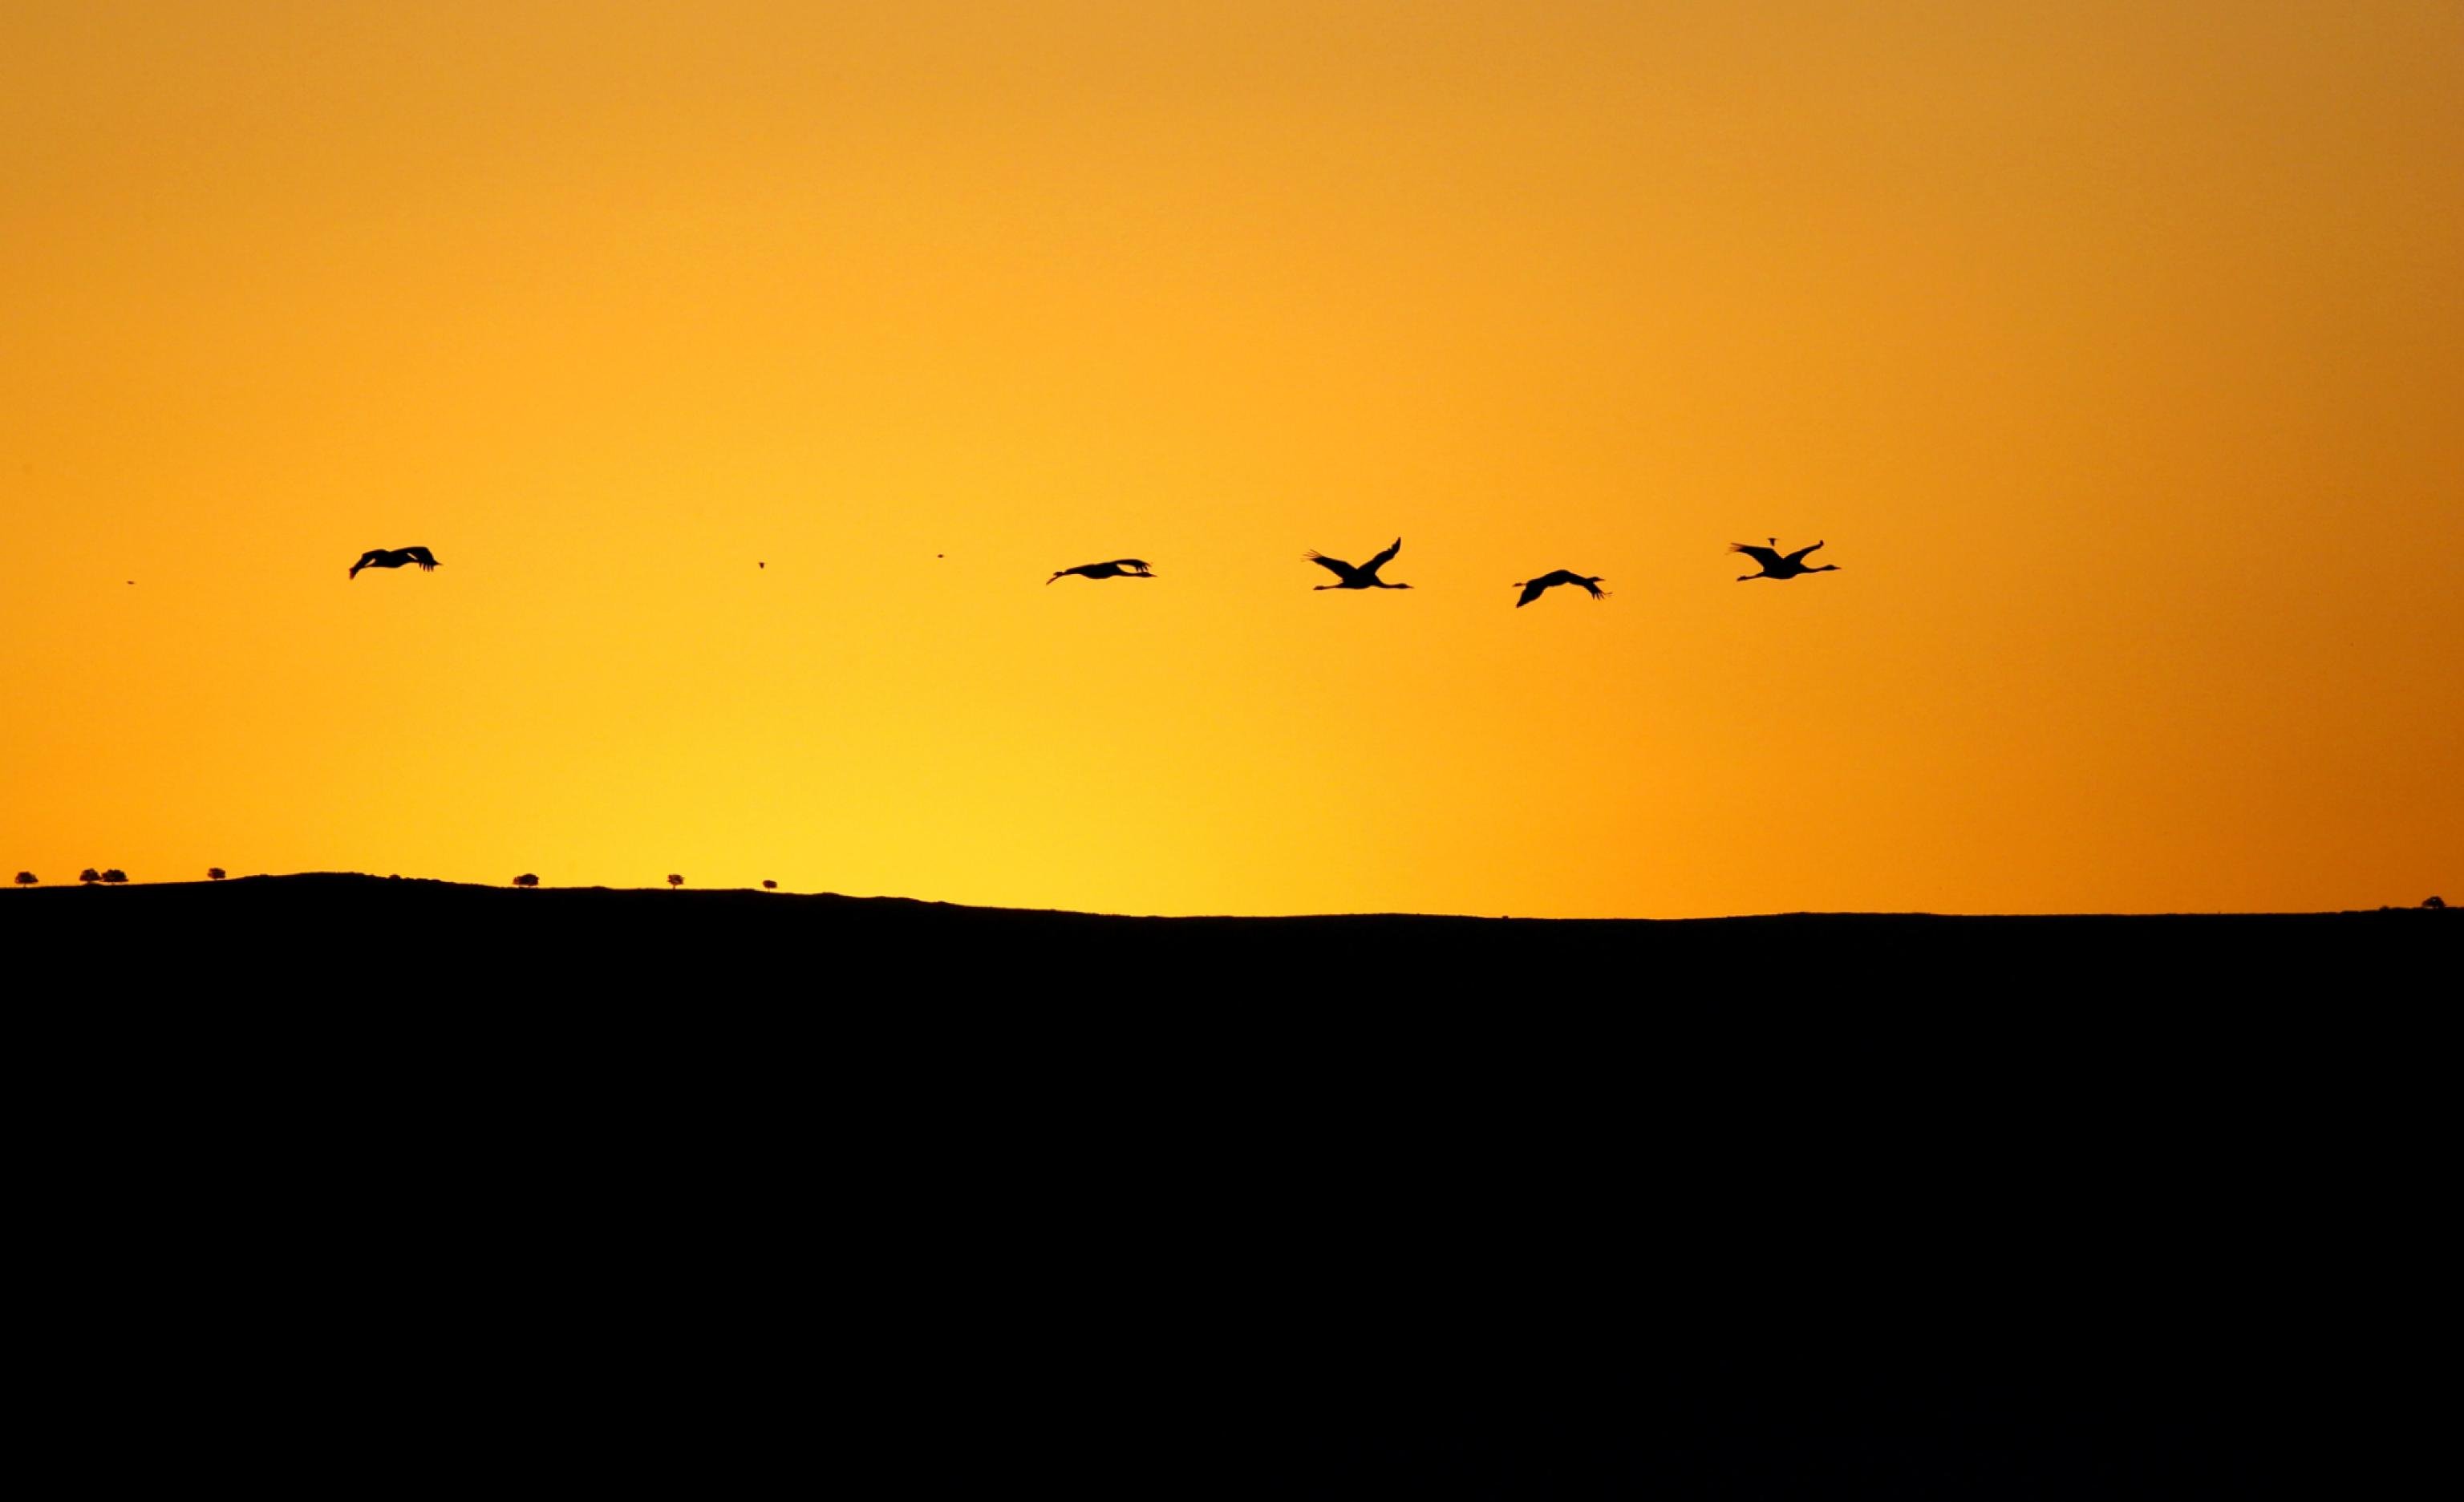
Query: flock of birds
point(1775, 565)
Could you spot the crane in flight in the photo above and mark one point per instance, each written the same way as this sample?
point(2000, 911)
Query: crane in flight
point(1118, 568)
point(1532, 588)
point(1364, 576)
point(394, 558)
point(1775, 566)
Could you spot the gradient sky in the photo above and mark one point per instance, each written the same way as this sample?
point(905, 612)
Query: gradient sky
point(2117, 350)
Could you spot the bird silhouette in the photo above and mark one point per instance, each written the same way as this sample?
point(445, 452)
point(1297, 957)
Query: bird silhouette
point(1364, 576)
point(1776, 567)
point(1534, 588)
point(394, 558)
point(1118, 568)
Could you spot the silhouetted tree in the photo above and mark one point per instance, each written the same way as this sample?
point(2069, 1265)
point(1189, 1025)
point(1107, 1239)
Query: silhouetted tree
point(2434, 901)
point(769, 885)
point(27, 878)
point(674, 880)
point(213, 873)
point(89, 876)
point(115, 877)
point(526, 881)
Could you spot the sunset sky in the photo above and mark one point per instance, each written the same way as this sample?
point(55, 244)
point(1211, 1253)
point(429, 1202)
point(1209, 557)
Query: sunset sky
point(2115, 349)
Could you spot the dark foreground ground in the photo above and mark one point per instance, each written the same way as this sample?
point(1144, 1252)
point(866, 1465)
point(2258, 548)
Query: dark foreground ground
point(336, 1180)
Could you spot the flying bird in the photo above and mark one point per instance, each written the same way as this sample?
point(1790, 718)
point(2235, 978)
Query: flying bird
point(1534, 588)
point(1365, 577)
point(1118, 568)
point(394, 558)
point(1776, 567)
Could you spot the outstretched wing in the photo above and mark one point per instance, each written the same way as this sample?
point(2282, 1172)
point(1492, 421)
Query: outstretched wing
point(1798, 556)
point(1334, 566)
point(421, 556)
point(1593, 585)
point(1532, 592)
point(1139, 564)
point(1762, 555)
point(1385, 557)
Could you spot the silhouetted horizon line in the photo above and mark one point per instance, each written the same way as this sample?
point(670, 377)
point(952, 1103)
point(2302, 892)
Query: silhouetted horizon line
point(669, 889)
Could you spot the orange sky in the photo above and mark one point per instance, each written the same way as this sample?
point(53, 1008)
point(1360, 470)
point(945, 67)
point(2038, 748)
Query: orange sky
point(2117, 350)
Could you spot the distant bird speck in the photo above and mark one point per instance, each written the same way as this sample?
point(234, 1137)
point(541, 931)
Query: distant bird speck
point(761, 564)
point(1118, 568)
point(1532, 588)
point(394, 558)
point(1365, 577)
point(1776, 567)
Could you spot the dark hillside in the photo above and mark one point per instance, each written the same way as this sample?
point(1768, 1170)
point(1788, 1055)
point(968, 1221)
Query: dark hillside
point(310, 933)
point(690, 1185)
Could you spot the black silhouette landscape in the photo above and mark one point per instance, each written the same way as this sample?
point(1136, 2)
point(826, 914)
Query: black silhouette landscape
point(2118, 344)
point(1792, 1206)
point(299, 926)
